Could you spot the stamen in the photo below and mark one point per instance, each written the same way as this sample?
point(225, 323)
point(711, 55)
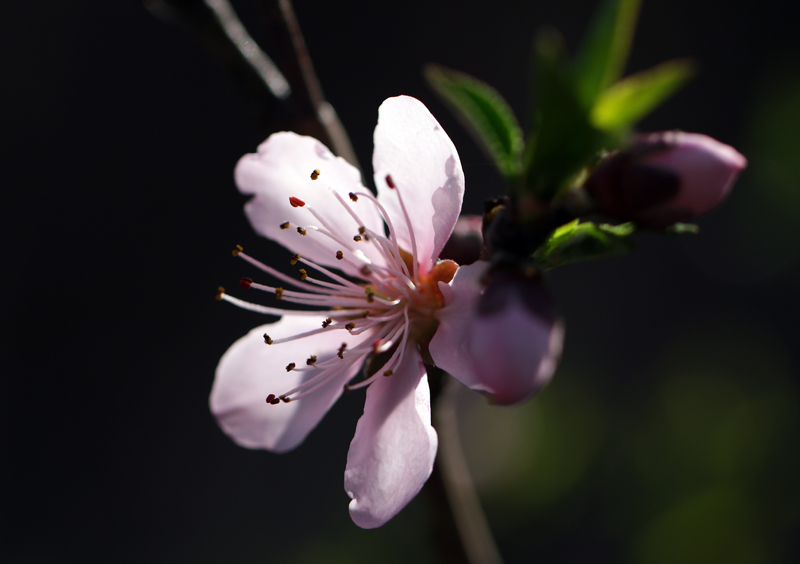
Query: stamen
point(353, 197)
point(285, 225)
point(296, 202)
point(267, 339)
point(220, 294)
point(415, 260)
point(246, 283)
point(303, 274)
point(301, 231)
point(238, 249)
point(290, 366)
point(315, 174)
point(310, 361)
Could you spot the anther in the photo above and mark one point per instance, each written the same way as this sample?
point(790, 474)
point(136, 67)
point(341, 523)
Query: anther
point(353, 197)
point(370, 298)
point(366, 270)
point(246, 283)
point(294, 259)
point(340, 352)
point(315, 174)
point(388, 372)
point(271, 399)
point(357, 238)
point(284, 399)
point(285, 225)
point(303, 274)
point(220, 293)
point(326, 322)
point(390, 182)
point(311, 360)
point(267, 339)
point(362, 229)
point(350, 326)
point(296, 202)
point(301, 231)
point(290, 366)
point(237, 250)
point(365, 314)
point(279, 293)
point(339, 255)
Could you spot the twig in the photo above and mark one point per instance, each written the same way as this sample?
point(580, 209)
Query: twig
point(476, 536)
point(307, 96)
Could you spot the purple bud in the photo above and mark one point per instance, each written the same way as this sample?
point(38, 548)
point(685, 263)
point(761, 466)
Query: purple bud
point(515, 338)
point(665, 177)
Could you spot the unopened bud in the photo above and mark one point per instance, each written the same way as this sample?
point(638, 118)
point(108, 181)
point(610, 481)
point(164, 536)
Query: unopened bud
point(665, 177)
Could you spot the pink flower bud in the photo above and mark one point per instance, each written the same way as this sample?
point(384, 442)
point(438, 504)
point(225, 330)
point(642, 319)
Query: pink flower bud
point(665, 177)
point(515, 339)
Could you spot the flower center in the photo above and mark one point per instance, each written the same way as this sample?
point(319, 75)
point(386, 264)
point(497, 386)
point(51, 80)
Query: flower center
point(389, 303)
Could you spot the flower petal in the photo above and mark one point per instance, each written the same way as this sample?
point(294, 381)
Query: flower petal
point(450, 346)
point(282, 169)
point(251, 370)
point(412, 147)
point(394, 447)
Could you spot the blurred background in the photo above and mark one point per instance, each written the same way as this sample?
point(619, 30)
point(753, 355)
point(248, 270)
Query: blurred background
point(669, 434)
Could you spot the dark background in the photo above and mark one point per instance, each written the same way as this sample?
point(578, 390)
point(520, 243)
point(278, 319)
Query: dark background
point(669, 433)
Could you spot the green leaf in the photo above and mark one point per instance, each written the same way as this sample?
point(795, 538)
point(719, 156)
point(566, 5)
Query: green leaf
point(683, 229)
point(633, 97)
point(565, 140)
point(575, 241)
point(604, 54)
point(484, 112)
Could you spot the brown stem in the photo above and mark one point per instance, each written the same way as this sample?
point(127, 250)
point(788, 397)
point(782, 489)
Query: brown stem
point(470, 521)
point(296, 62)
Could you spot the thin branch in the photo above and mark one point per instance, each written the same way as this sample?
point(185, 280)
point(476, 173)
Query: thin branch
point(291, 47)
point(476, 536)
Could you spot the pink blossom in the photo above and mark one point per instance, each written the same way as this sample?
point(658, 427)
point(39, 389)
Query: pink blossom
point(383, 307)
point(665, 177)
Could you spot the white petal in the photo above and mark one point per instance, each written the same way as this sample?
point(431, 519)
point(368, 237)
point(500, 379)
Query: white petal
point(282, 169)
point(251, 370)
point(394, 447)
point(412, 147)
point(450, 346)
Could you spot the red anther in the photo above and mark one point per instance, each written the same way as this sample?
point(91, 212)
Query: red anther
point(390, 182)
point(296, 202)
point(270, 398)
point(353, 197)
point(246, 283)
point(339, 255)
